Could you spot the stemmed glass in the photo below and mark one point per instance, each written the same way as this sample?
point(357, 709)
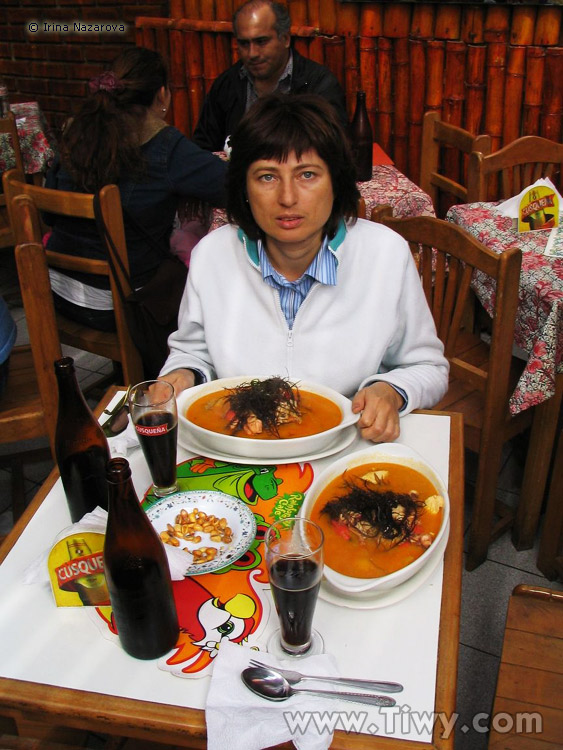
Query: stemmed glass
point(294, 558)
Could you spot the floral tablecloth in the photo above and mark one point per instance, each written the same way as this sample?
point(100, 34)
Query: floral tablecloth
point(539, 320)
point(36, 143)
point(387, 186)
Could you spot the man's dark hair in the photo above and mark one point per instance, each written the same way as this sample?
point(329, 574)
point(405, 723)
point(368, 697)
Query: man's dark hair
point(282, 24)
point(273, 128)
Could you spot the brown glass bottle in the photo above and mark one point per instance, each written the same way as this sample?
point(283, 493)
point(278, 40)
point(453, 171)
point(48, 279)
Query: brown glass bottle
point(80, 445)
point(137, 572)
point(361, 139)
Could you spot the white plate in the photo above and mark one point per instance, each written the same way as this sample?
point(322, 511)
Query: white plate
point(239, 518)
point(241, 447)
point(379, 599)
point(341, 441)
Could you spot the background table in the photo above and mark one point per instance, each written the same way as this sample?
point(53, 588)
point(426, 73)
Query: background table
point(539, 332)
point(36, 142)
point(34, 682)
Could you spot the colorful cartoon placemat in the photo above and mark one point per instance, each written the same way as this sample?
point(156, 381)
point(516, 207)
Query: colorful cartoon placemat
point(233, 603)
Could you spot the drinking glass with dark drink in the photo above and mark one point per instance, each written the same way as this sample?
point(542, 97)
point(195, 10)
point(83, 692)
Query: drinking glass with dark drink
point(152, 406)
point(294, 557)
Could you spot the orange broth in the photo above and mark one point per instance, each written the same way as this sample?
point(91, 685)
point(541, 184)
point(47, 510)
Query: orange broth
point(360, 557)
point(318, 415)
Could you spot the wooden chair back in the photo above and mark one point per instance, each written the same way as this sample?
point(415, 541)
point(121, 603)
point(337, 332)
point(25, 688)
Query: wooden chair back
point(443, 160)
point(446, 257)
point(8, 127)
point(26, 221)
point(515, 166)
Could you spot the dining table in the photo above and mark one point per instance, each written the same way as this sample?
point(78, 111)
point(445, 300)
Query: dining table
point(64, 666)
point(37, 142)
point(538, 334)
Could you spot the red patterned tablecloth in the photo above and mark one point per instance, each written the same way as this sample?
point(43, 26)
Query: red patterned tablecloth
point(387, 186)
point(539, 320)
point(36, 142)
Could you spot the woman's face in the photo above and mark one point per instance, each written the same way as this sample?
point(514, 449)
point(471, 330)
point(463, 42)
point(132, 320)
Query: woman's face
point(291, 202)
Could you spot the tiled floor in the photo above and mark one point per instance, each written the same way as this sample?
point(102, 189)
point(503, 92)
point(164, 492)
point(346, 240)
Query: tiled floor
point(485, 591)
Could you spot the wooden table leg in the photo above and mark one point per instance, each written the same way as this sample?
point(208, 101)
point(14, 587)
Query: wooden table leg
point(540, 452)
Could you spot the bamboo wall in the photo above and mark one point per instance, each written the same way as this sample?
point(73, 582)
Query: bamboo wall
point(493, 69)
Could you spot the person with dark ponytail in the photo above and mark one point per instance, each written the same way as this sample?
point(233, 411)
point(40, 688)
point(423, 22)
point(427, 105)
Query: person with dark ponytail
point(120, 136)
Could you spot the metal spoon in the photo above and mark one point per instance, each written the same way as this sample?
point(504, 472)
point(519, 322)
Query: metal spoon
point(295, 677)
point(269, 684)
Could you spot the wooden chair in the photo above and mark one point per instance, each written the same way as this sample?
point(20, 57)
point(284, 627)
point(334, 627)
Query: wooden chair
point(508, 171)
point(550, 554)
point(529, 693)
point(118, 345)
point(8, 125)
point(446, 257)
point(28, 405)
point(443, 150)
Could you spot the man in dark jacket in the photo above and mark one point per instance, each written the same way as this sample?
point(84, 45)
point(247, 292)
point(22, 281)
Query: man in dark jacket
point(267, 63)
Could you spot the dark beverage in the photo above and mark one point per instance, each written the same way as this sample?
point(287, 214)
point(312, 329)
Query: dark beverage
point(361, 139)
point(80, 445)
point(158, 435)
point(137, 572)
point(295, 583)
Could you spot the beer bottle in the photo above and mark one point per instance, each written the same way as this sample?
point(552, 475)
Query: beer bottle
point(137, 572)
point(81, 447)
point(361, 139)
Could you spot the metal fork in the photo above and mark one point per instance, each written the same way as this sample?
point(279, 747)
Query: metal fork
point(295, 677)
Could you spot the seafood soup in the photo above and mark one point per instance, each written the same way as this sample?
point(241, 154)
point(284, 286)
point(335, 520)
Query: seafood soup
point(268, 409)
point(377, 519)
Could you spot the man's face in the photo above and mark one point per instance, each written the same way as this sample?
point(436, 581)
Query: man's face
point(262, 52)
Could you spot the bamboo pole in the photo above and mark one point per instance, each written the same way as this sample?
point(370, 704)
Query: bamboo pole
point(448, 22)
point(371, 20)
point(417, 74)
point(138, 36)
point(189, 24)
point(327, 18)
point(368, 52)
point(301, 44)
point(552, 111)
point(535, 64)
point(178, 86)
point(496, 66)
point(334, 57)
point(514, 89)
point(297, 12)
point(223, 10)
point(522, 26)
point(384, 93)
point(210, 67)
point(223, 51)
point(176, 8)
point(193, 55)
point(401, 102)
point(472, 24)
point(497, 24)
point(191, 9)
point(317, 49)
point(548, 25)
point(351, 73)
point(348, 19)
point(475, 87)
point(422, 21)
point(314, 13)
point(452, 108)
point(434, 74)
point(396, 20)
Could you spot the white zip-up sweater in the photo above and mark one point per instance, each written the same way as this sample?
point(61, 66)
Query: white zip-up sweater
point(373, 325)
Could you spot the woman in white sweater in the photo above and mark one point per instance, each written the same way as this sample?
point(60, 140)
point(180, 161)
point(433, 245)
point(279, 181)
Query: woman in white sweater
point(296, 286)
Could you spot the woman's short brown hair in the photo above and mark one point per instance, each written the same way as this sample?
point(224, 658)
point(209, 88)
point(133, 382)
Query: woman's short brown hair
point(278, 125)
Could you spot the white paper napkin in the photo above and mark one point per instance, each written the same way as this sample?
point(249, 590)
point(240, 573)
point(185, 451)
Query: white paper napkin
point(96, 521)
point(510, 207)
point(240, 720)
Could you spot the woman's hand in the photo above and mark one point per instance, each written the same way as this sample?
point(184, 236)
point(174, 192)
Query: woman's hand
point(180, 379)
point(379, 404)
